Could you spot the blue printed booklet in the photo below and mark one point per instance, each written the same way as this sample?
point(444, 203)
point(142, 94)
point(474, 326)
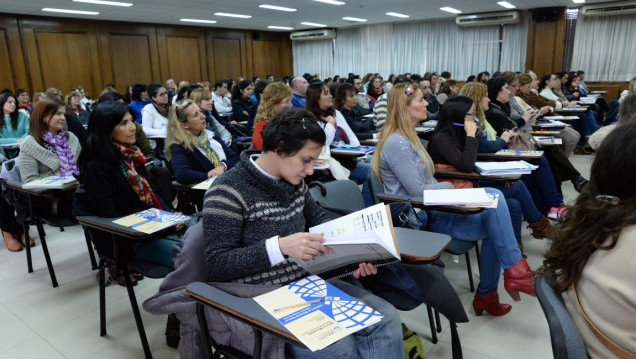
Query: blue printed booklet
point(316, 312)
point(151, 220)
point(353, 149)
point(52, 182)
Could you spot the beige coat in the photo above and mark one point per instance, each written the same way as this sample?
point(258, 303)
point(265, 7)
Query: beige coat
point(37, 162)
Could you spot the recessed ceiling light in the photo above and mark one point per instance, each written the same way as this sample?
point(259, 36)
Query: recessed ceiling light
point(280, 27)
point(578, 1)
point(353, 19)
point(506, 4)
point(232, 15)
point(313, 24)
point(332, 2)
point(396, 14)
point(77, 12)
point(100, 2)
point(273, 7)
point(450, 9)
point(198, 20)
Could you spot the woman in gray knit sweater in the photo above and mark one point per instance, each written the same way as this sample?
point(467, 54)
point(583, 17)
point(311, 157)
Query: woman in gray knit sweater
point(255, 218)
point(405, 168)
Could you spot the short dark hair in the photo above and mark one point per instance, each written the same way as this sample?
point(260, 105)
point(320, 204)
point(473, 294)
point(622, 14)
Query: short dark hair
point(446, 75)
point(110, 96)
point(352, 77)
point(288, 132)
point(137, 90)
point(260, 87)
point(494, 86)
point(20, 91)
point(218, 83)
point(153, 89)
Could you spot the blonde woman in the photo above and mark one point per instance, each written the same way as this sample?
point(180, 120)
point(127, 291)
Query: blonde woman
point(275, 98)
point(194, 152)
point(405, 168)
point(203, 99)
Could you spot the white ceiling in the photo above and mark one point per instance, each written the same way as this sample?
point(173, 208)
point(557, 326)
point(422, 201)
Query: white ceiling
point(170, 11)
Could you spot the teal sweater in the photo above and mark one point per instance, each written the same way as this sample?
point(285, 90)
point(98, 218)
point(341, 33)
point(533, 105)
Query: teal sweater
point(9, 135)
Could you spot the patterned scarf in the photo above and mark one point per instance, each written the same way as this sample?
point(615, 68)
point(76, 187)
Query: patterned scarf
point(341, 134)
point(133, 157)
point(204, 143)
point(64, 153)
point(163, 110)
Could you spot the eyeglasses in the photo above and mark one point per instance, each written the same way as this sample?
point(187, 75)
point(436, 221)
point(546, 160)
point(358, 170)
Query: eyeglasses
point(472, 114)
point(162, 94)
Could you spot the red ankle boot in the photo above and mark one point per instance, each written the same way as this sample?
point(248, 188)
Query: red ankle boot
point(490, 303)
point(519, 278)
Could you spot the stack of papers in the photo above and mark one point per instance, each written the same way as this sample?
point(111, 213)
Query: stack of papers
point(508, 168)
point(554, 118)
point(457, 197)
point(52, 182)
point(551, 124)
point(548, 140)
point(519, 153)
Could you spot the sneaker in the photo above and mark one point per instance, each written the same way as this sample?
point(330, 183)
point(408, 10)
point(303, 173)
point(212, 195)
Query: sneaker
point(557, 212)
point(579, 182)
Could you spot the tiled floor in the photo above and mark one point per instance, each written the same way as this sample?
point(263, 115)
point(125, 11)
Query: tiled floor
point(39, 321)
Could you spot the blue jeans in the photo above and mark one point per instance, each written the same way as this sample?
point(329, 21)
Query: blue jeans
point(360, 173)
point(381, 340)
point(542, 188)
point(586, 125)
point(519, 202)
point(499, 248)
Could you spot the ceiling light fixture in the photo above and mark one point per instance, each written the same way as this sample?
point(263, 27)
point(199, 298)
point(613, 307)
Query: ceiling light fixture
point(506, 4)
point(354, 19)
point(280, 8)
point(77, 12)
point(232, 15)
point(578, 1)
point(101, 2)
point(332, 2)
point(450, 9)
point(313, 24)
point(280, 27)
point(198, 20)
point(396, 14)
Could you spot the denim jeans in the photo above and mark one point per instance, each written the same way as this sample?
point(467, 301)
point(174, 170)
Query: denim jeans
point(381, 340)
point(586, 125)
point(542, 188)
point(499, 248)
point(360, 173)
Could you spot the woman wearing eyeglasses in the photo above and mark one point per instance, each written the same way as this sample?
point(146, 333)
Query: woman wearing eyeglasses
point(455, 143)
point(276, 97)
point(405, 168)
point(154, 116)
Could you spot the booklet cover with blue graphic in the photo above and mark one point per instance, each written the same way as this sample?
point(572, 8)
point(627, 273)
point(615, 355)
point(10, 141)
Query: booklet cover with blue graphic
point(151, 220)
point(316, 312)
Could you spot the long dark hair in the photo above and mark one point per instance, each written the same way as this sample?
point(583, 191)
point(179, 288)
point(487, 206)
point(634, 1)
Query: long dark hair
point(454, 110)
point(544, 81)
point(288, 132)
point(312, 99)
point(342, 91)
point(15, 114)
point(99, 144)
point(596, 219)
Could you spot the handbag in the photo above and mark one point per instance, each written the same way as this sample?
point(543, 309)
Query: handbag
point(524, 141)
point(456, 182)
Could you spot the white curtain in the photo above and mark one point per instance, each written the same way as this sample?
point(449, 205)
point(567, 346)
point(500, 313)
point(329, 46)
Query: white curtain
point(605, 47)
point(314, 57)
point(514, 45)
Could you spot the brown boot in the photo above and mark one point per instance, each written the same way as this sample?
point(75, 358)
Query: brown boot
point(543, 229)
point(23, 240)
point(13, 245)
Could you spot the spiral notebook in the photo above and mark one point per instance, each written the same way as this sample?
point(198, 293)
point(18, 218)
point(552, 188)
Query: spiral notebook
point(363, 236)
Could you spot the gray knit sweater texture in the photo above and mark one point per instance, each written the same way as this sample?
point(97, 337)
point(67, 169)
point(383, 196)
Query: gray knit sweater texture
point(241, 211)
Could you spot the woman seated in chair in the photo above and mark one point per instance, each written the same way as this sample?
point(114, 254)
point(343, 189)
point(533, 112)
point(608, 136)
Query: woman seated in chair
point(203, 99)
point(345, 102)
point(194, 152)
point(405, 168)
point(116, 182)
point(50, 150)
point(276, 97)
point(318, 100)
point(593, 254)
point(540, 183)
point(255, 218)
point(454, 144)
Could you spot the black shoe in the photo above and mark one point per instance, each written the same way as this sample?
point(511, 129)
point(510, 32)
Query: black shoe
point(173, 335)
point(579, 183)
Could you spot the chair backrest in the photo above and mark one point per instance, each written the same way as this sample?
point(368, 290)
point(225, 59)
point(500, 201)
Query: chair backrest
point(375, 186)
point(341, 196)
point(565, 337)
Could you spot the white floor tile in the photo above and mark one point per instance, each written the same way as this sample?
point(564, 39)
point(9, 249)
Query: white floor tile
point(34, 348)
point(13, 331)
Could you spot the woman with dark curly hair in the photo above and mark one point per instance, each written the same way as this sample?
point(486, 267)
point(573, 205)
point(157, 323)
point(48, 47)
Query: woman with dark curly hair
point(593, 255)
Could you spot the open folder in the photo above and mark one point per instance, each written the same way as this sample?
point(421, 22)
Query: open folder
point(363, 236)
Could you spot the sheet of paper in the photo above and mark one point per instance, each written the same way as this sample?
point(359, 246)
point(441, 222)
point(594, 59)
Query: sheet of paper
point(316, 312)
point(49, 182)
point(205, 184)
point(451, 197)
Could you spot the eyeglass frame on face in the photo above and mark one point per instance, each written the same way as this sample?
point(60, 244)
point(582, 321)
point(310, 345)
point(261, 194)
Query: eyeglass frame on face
point(472, 114)
point(163, 94)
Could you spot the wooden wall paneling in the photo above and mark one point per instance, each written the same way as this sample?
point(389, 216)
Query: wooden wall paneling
point(62, 54)
point(613, 89)
point(226, 54)
point(286, 58)
point(129, 57)
point(545, 46)
point(182, 54)
point(266, 58)
point(14, 72)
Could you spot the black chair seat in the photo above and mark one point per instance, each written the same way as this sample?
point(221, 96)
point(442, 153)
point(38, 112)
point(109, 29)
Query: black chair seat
point(59, 221)
point(150, 270)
